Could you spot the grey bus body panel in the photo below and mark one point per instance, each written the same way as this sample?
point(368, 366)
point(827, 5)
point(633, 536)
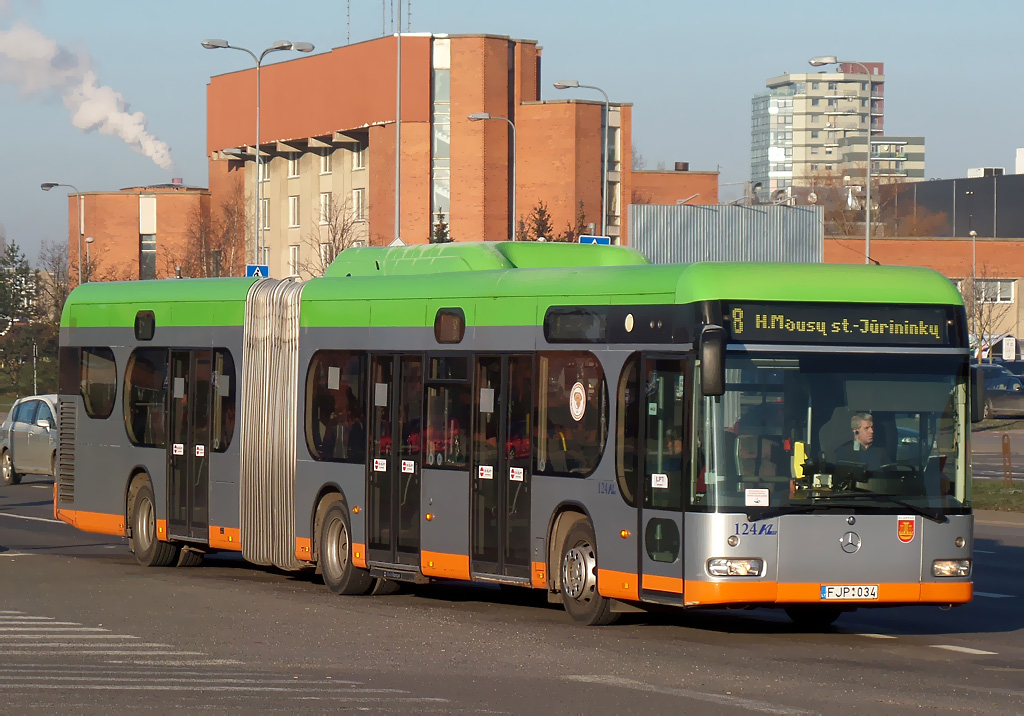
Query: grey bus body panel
point(445, 494)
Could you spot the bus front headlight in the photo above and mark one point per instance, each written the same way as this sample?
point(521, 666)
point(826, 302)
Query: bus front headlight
point(951, 568)
point(735, 567)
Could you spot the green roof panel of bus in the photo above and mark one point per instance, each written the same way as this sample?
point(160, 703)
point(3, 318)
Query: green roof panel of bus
point(840, 283)
point(426, 259)
point(195, 302)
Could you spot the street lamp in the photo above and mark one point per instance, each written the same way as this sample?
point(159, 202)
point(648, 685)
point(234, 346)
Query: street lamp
point(573, 84)
point(479, 116)
point(46, 186)
point(278, 46)
point(820, 61)
point(88, 262)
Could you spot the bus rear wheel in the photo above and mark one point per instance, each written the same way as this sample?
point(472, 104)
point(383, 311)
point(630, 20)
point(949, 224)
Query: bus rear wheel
point(813, 618)
point(335, 554)
point(578, 574)
point(149, 551)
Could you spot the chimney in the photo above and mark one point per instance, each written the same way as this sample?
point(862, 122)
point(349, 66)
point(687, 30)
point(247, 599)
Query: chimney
point(682, 166)
point(176, 181)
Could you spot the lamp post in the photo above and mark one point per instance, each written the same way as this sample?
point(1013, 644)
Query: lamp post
point(278, 46)
point(46, 186)
point(88, 261)
point(479, 116)
point(573, 84)
point(832, 60)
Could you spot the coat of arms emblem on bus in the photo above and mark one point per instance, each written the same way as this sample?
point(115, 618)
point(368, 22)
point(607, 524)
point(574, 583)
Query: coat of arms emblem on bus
point(905, 528)
point(577, 401)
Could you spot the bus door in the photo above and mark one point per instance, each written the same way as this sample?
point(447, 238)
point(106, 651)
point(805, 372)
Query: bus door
point(188, 450)
point(393, 482)
point(501, 463)
point(664, 470)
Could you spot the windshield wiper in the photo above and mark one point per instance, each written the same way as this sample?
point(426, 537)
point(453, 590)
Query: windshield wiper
point(931, 514)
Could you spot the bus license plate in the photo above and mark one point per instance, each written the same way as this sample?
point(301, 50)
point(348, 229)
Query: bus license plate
point(849, 591)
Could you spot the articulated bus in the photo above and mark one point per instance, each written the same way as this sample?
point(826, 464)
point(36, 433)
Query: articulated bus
point(562, 417)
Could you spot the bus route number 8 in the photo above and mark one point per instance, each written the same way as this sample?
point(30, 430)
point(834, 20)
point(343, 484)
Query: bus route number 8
point(737, 321)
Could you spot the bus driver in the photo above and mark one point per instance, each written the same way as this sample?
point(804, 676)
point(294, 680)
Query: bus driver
point(862, 448)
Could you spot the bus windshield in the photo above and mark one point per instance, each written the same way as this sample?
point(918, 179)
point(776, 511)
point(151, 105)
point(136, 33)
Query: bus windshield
point(810, 432)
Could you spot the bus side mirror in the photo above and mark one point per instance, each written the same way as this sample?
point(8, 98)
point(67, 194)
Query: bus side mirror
point(712, 361)
point(977, 388)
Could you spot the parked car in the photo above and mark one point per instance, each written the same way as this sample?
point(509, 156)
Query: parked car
point(994, 372)
point(1004, 397)
point(28, 438)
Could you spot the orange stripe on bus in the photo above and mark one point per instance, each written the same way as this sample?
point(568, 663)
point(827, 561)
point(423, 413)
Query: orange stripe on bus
point(663, 584)
point(617, 585)
point(729, 592)
point(98, 522)
point(539, 575)
point(946, 592)
point(448, 566)
point(225, 538)
point(304, 549)
point(359, 555)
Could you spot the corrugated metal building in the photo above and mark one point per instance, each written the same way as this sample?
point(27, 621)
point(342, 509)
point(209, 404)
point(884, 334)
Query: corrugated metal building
point(727, 232)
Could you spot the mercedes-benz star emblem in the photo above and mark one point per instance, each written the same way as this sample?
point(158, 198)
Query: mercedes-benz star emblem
point(850, 542)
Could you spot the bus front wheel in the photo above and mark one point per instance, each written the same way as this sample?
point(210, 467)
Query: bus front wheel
point(578, 577)
point(335, 554)
point(149, 551)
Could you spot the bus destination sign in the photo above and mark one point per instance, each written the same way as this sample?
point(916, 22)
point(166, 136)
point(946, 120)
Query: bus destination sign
point(840, 324)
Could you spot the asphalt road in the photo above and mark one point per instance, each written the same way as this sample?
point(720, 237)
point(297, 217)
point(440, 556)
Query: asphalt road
point(83, 628)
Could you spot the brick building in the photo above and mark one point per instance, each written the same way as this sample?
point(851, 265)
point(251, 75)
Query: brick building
point(138, 232)
point(328, 137)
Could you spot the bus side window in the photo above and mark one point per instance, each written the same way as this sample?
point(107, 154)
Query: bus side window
point(627, 423)
point(572, 413)
point(98, 381)
point(224, 392)
point(145, 395)
point(335, 410)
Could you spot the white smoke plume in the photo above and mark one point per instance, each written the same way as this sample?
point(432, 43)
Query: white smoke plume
point(36, 64)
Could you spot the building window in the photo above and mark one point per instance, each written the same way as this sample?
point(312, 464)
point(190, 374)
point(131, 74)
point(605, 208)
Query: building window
point(995, 291)
point(325, 160)
point(265, 255)
point(359, 156)
point(293, 260)
point(815, 85)
point(833, 85)
point(325, 207)
point(814, 150)
point(147, 256)
point(814, 102)
point(293, 211)
point(264, 213)
point(814, 134)
point(293, 165)
point(359, 204)
point(814, 167)
point(264, 170)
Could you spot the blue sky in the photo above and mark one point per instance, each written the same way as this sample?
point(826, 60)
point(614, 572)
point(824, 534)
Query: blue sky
point(953, 75)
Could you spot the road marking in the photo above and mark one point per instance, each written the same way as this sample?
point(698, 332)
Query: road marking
point(983, 551)
point(724, 699)
point(71, 627)
point(25, 617)
point(17, 554)
point(350, 694)
point(963, 649)
point(993, 595)
point(67, 636)
point(8, 611)
point(35, 519)
point(877, 636)
point(103, 652)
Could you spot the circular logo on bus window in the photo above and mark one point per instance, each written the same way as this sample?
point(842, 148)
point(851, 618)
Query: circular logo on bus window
point(577, 401)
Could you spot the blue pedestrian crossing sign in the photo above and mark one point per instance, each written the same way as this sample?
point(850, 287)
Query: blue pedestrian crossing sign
point(257, 270)
point(601, 240)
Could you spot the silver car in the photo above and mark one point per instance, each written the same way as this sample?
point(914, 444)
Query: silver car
point(28, 438)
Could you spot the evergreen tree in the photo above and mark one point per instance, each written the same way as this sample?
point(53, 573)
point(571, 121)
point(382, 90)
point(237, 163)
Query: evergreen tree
point(19, 288)
point(440, 235)
point(539, 223)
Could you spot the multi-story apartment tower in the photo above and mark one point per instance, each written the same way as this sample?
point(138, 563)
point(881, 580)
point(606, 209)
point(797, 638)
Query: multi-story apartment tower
point(798, 126)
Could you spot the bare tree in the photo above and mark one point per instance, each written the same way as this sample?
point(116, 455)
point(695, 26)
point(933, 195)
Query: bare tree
point(55, 279)
point(214, 239)
point(985, 305)
point(639, 162)
point(573, 231)
point(334, 230)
